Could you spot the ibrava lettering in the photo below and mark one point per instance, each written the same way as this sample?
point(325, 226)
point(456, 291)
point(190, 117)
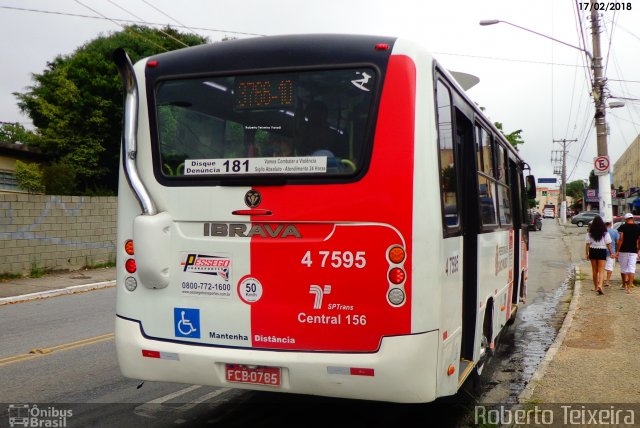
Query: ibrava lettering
point(243, 230)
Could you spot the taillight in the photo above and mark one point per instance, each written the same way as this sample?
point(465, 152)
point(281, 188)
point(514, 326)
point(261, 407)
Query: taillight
point(396, 275)
point(128, 247)
point(396, 255)
point(130, 283)
point(130, 265)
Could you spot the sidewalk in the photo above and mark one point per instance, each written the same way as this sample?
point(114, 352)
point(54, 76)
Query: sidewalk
point(55, 284)
point(594, 358)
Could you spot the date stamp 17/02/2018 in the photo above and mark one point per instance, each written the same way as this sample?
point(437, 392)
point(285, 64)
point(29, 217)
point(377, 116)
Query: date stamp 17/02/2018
point(604, 6)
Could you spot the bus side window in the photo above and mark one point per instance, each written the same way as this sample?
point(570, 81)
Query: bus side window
point(448, 176)
point(504, 197)
point(486, 185)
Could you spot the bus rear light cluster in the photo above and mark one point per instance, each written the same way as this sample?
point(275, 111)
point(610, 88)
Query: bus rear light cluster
point(130, 283)
point(396, 275)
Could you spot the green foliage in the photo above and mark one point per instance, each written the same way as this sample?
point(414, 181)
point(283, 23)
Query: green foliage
point(36, 271)
point(16, 133)
point(59, 178)
point(76, 103)
point(29, 177)
point(575, 189)
point(514, 138)
point(532, 203)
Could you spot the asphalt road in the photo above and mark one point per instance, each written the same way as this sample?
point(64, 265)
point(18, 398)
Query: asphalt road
point(60, 352)
point(525, 343)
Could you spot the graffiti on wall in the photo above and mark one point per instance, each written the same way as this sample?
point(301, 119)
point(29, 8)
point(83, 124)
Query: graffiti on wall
point(34, 230)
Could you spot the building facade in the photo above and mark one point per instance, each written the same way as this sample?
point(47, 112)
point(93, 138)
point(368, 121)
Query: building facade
point(547, 196)
point(626, 170)
point(626, 177)
point(9, 154)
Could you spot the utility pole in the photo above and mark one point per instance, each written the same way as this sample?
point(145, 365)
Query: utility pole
point(604, 180)
point(563, 180)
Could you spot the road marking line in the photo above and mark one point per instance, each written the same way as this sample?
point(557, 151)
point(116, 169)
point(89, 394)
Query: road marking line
point(202, 399)
point(39, 352)
point(151, 409)
point(173, 395)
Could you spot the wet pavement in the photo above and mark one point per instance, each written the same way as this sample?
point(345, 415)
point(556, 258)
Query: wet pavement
point(524, 344)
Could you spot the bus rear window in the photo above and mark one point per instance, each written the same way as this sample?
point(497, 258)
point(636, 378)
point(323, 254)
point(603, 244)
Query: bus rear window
point(309, 124)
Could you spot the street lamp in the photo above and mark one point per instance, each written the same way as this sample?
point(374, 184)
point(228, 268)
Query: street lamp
point(616, 104)
point(604, 180)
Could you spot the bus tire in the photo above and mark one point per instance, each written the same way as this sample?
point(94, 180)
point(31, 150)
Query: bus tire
point(485, 340)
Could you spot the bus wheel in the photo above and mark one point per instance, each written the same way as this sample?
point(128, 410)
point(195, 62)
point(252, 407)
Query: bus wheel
point(485, 341)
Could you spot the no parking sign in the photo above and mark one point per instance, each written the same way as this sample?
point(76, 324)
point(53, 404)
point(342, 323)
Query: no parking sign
point(601, 165)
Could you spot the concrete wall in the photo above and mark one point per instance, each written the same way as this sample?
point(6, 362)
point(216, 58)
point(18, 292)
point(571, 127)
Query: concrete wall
point(55, 232)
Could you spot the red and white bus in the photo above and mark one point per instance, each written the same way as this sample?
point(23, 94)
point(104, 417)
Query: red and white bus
point(315, 214)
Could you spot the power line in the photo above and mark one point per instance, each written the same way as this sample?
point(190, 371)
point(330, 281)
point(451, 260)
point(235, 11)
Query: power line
point(168, 16)
point(508, 59)
point(129, 21)
point(123, 27)
point(137, 17)
point(584, 143)
point(622, 80)
point(613, 26)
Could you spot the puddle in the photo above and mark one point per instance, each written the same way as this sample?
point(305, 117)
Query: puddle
point(525, 343)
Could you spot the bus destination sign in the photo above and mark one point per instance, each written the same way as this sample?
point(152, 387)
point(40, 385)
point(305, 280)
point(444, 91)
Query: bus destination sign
point(264, 92)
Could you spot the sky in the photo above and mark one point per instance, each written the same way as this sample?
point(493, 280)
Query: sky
point(527, 81)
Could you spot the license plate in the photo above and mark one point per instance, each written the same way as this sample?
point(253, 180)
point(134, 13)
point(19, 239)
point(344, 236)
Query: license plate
point(260, 375)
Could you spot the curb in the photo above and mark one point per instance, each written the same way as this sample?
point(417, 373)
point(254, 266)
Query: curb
point(553, 349)
point(59, 292)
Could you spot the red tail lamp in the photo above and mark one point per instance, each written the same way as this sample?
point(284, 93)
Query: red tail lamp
point(397, 275)
point(130, 265)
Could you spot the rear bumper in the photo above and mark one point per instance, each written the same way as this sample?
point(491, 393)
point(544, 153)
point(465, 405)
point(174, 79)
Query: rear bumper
point(404, 368)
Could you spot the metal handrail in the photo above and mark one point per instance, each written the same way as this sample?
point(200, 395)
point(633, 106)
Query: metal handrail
point(129, 142)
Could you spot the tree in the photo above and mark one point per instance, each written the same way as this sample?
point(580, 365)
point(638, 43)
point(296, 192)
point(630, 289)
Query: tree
point(29, 177)
point(76, 104)
point(16, 133)
point(59, 178)
point(514, 138)
point(575, 189)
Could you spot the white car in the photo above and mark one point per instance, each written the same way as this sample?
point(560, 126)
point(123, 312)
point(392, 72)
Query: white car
point(548, 213)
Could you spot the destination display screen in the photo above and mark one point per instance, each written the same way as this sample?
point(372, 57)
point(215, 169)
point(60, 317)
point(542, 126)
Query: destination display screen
point(264, 92)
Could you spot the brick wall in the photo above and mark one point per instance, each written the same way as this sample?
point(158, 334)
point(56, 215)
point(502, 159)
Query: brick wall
point(55, 232)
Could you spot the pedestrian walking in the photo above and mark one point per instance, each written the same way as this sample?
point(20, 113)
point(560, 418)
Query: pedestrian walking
point(598, 242)
point(611, 261)
point(628, 250)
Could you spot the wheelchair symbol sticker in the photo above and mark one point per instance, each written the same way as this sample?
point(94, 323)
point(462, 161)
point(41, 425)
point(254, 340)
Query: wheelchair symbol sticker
point(186, 322)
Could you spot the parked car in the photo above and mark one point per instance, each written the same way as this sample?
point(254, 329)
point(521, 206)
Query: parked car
point(534, 220)
point(620, 221)
point(619, 218)
point(584, 217)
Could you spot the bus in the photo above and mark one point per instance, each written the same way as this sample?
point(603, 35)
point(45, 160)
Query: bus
point(298, 218)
